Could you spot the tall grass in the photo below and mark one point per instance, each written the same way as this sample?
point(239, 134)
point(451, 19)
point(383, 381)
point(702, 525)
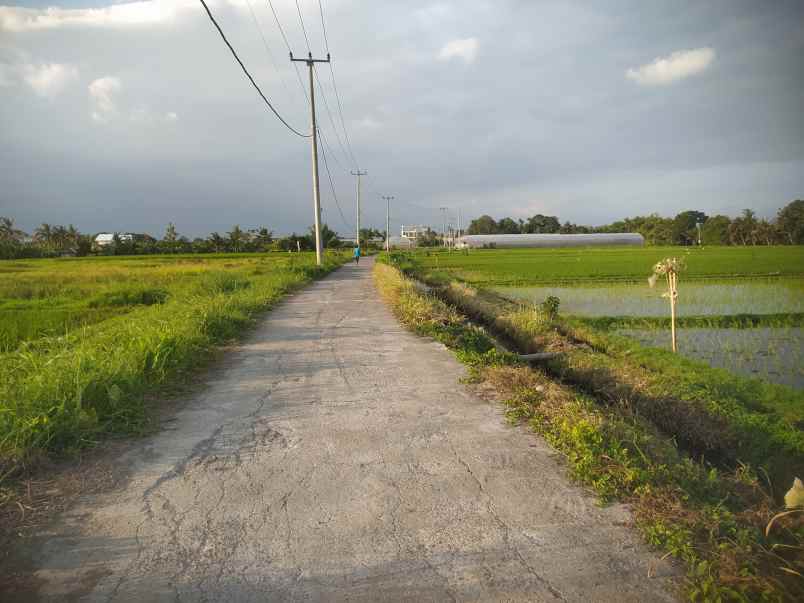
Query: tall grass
point(63, 391)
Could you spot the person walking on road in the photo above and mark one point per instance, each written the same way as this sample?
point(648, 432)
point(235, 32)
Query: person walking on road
point(357, 254)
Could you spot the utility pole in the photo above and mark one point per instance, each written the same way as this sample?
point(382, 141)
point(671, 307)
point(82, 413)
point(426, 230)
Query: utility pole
point(443, 225)
point(459, 222)
point(388, 222)
point(316, 192)
point(358, 173)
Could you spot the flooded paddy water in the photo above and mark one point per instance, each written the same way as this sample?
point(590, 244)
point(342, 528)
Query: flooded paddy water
point(774, 354)
point(696, 298)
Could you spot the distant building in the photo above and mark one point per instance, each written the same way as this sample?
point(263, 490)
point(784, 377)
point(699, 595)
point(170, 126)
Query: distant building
point(414, 232)
point(550, 240)
point(104, 239)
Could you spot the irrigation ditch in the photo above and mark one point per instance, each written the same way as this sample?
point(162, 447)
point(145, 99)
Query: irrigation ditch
point(702, 456)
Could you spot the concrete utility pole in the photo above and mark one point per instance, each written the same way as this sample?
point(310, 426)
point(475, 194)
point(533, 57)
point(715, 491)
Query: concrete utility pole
point(358, 173)
point(388, 222)
point(316, 192)
point(443, 226)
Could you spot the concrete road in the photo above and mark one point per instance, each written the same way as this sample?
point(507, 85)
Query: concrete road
point(333, 456)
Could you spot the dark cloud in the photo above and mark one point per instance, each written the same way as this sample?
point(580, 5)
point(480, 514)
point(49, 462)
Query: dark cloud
point(531, 111)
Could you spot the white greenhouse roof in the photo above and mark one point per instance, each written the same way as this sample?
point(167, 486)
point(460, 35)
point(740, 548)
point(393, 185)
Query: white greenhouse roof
point(552, 240)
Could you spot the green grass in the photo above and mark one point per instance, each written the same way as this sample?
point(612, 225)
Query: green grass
point(712, 520)
point(88, 341)
point(521, 267)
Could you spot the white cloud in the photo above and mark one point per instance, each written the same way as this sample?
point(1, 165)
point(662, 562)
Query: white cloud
point(145, 12)
point(102, 92)
point(677, 66)
point(49, 79)
point(465, 49)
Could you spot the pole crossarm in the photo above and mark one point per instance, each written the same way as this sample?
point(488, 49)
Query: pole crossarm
point(310, 60)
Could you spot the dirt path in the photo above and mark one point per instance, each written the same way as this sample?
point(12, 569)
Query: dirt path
point(335, 456)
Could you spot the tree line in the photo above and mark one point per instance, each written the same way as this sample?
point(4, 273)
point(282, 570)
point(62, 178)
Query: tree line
point(686, 228)
point(49, 240)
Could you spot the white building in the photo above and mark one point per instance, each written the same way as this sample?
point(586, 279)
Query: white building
point(107, 238)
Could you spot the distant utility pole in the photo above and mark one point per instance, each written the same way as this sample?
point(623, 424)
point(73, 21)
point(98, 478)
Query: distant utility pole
point(443, 225)
point(388, 222)
point(358, 173)
point(316, 192)
point(459, 222)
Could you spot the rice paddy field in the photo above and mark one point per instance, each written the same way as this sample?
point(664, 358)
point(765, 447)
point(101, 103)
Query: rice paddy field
point(85, 342)
point(740, 308)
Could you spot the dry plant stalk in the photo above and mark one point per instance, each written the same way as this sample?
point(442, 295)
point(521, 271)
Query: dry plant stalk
point(669, 268)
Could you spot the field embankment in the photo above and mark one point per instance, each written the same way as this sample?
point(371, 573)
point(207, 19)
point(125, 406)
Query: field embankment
point(701, 455)
point(87, 342)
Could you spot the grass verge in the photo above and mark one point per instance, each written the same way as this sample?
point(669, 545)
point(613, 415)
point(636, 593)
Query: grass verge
point(712, 519)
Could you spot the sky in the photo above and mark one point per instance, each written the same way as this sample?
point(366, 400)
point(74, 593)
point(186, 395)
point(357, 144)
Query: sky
point(127, 116)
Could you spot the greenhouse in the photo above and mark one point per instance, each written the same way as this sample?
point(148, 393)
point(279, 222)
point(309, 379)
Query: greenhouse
point(550, 240)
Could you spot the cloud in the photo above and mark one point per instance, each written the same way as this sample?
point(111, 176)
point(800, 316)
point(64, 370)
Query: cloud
point(677, 66)
point(49, 79)
point(17, 19)
point(101, 95)
point(465, 48)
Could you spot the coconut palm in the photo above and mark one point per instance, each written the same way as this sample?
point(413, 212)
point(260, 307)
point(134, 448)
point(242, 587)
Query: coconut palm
point(8, 233)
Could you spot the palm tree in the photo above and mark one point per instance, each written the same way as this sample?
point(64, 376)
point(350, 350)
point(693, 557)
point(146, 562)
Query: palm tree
point(44, 235)
point(218, 242)
point(236, 238)
point(8, 233)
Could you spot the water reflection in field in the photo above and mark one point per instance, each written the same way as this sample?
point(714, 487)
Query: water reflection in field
point(773, 354)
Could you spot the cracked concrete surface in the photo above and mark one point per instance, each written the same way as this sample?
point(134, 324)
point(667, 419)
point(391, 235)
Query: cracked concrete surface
point(334, 456)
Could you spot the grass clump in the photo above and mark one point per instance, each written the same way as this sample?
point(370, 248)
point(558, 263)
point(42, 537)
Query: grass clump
point(712, 519)
point(62, 392)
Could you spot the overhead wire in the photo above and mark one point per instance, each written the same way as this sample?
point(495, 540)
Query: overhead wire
point(304, 29)
point(268, 47)
point(332, 188)
point(248, 75)
point(335, 87)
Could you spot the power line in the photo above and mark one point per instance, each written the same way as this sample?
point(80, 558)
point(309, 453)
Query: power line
point(304, 30)
point(335, 86)
point(332, 188)
point(323, 27)
point(268, 47)
point(304, 90)
point(251, 79)
point(331, 119)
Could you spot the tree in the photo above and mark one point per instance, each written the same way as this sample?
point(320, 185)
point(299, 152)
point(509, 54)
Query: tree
point(170, 233)
point(262, 238)
point(765, 233)
point(482, 225)
point(8, 233)
point(790, 221)
point(742, 229)
point(43, 235)
point(540, 224)
point(329, 238)
point(715, 231)
point(685, 230)
point(217, 242)
point(507, 226)
point(236, 238)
